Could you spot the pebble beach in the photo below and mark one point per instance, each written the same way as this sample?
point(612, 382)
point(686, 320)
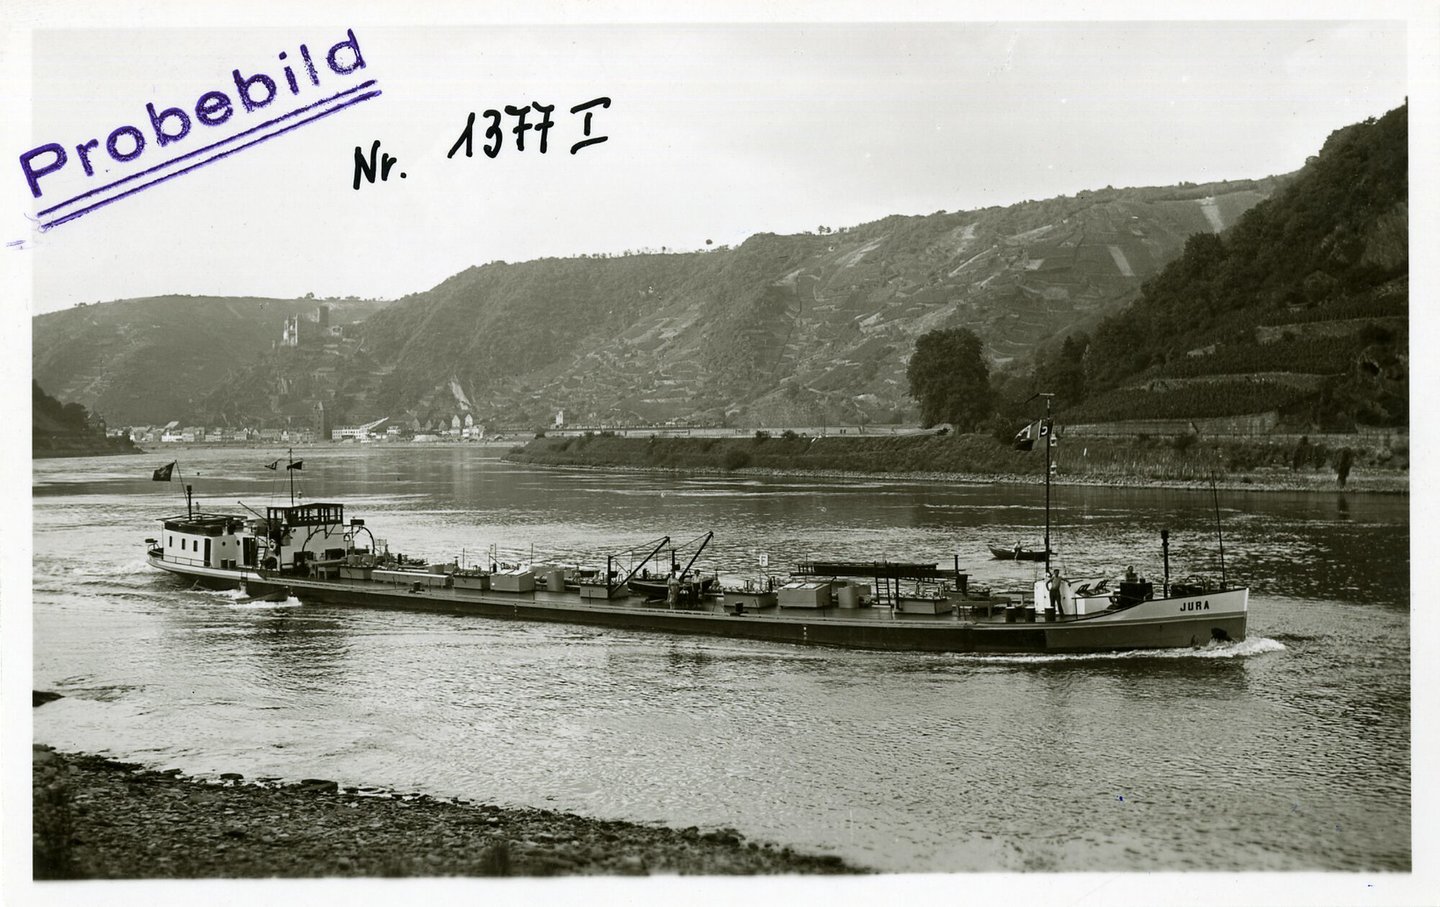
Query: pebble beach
point(95, 818)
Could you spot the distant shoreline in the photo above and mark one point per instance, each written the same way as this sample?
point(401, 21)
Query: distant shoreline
point(1386, 485)
point(1259, 465)
point(86, 448)
point(1269, 479)
point(324, 445)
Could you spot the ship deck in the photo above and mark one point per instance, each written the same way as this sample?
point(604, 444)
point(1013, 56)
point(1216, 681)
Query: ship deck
point(975, 625)
point(966, 611)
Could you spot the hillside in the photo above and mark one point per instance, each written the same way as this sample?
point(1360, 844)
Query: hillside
point(1300, 309)
point(807, 327)
point(67, 430)
point(148, 361)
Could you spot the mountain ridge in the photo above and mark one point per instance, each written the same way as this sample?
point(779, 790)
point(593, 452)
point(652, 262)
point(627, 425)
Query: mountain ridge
point(152, 359)
point(814, 326)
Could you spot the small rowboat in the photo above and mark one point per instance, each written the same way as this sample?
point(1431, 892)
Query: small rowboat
point(1018, 553)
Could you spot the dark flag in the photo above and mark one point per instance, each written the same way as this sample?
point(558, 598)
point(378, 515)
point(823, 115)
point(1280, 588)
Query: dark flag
point(296, 465)
point(1025, 438)
point(272, 465)
point(163, 473)
point(1045, 433)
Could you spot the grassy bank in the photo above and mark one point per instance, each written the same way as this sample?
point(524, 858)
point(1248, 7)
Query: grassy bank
point(1256, 463)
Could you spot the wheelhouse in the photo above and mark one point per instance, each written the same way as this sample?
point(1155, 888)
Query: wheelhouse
point(306, 534)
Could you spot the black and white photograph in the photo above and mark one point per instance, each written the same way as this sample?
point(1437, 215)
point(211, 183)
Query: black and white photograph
point(669, 453)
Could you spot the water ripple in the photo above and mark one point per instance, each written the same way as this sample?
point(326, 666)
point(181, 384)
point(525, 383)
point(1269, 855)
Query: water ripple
point(1286, 751)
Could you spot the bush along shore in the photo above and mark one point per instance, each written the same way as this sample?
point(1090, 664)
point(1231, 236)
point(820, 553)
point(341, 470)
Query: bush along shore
point(1366, 464)
point(95, 818)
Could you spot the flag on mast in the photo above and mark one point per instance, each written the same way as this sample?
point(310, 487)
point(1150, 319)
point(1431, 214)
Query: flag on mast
point(163, 473)
point(1025, 437)
point(296, 465)
point(274, 465)
point(1047, 432)
point(1042, 429)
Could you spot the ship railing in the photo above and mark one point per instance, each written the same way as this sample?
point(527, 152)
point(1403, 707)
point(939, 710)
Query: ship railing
point(183, 561)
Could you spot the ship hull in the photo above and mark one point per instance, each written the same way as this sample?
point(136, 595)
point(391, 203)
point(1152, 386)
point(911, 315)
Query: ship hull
point(207, 577)
point(1168, 623)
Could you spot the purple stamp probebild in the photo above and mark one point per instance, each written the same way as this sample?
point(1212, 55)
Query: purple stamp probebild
point(254, 108)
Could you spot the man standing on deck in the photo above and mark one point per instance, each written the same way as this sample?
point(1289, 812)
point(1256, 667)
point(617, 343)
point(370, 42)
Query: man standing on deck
point(1053, 584)
point(672, 589)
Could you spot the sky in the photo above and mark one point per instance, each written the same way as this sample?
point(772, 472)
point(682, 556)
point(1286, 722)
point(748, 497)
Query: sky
point(714, 131)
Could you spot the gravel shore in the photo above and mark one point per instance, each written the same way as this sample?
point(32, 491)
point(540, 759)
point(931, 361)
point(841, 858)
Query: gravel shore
point(100, 819)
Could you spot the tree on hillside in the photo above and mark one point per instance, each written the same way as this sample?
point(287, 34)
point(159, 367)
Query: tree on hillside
point(1062, 371)
point(72, 416)
point(1336, 234)
point(950, 380)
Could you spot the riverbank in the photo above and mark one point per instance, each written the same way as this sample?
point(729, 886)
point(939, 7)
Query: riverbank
point(49, 446)
point(1231, 466)
point(95, 818)
point(1256, 480)
point(1374, 464)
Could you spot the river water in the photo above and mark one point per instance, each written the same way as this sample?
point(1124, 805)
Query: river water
point(1289, 751)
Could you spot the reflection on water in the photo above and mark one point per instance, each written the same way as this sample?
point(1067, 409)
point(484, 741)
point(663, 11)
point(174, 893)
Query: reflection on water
point(1289, 750)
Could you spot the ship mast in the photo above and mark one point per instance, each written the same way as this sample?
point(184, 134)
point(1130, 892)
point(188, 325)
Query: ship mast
point(1046, 428)
point(1219, 535)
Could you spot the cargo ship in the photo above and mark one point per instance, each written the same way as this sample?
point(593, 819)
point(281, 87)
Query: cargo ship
point(313, 553)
